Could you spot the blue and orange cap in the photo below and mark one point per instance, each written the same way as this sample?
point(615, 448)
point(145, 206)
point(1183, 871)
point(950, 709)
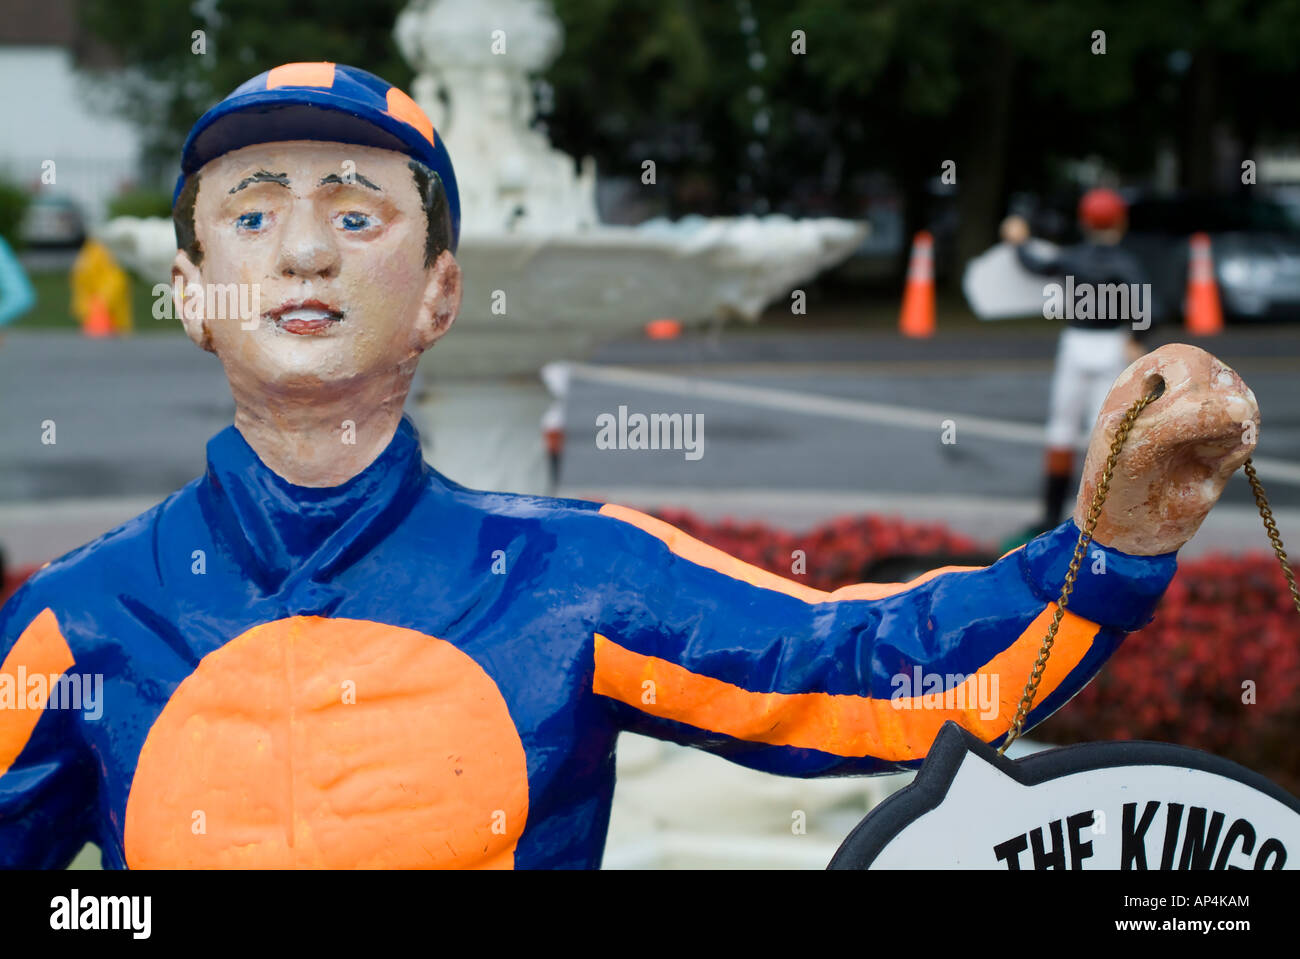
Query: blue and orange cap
point(320, 101)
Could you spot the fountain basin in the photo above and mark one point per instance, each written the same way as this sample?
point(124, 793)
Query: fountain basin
point(532, 297)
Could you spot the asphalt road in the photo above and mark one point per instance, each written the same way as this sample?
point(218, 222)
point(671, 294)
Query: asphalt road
point(750, 442)
point(132, 416)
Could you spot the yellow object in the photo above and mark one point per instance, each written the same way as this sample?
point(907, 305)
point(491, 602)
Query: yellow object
point(97, 277)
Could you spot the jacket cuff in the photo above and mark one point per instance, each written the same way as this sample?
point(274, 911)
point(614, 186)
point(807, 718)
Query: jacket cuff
point(1112, 588)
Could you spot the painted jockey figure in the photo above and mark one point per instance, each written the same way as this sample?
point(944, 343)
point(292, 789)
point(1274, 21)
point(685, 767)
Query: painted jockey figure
point(323, 653)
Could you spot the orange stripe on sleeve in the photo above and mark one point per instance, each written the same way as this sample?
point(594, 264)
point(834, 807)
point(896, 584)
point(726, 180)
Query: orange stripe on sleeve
point(842, 725)
point(710, 557)
point(40, 650)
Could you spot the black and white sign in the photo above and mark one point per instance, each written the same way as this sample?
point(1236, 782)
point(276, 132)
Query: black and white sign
point(1123, 805)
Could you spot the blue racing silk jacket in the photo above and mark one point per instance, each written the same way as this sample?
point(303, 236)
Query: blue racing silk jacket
point(403, 672)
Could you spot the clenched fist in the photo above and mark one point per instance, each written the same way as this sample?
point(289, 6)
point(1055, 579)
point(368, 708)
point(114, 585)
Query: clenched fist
point(1014, 230)
point(1179, 455)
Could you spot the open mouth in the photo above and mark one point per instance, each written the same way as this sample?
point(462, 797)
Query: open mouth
point(305, 318)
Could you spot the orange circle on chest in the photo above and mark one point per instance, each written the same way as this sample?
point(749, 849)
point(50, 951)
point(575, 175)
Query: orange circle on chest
point(330, 743)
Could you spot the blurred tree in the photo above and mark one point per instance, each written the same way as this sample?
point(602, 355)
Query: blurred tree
point(13, 207)
point(142, 203)
point(1009, 90)
point(644, 80)
point(736, 120)
point(175, 76)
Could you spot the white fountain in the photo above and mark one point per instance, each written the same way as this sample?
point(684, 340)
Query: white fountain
point(544, 279)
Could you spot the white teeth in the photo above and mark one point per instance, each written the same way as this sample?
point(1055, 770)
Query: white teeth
point(306, 315)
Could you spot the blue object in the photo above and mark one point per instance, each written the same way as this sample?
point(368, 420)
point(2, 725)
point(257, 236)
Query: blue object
point(494, 645)
point(16, 293)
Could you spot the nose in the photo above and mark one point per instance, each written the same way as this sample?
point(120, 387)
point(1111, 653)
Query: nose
point(307, 246)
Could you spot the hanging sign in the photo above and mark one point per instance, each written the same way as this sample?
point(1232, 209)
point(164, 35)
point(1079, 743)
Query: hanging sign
point(1114, 805)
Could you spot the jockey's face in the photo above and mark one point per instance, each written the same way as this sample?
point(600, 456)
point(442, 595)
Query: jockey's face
point(323, 247)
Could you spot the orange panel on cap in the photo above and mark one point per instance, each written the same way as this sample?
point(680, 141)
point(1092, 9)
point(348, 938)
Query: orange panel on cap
point(301, 75)
point(41, 650)
point(330, 743)
point(894, 730)
point(407, 110)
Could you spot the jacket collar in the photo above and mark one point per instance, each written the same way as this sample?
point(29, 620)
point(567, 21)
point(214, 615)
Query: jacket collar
point(284, 534)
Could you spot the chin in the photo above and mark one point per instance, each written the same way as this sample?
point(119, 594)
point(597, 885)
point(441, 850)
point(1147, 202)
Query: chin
point(312, 364)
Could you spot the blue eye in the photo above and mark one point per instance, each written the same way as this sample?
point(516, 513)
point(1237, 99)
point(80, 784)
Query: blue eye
point(249, 221)
point(355, 221)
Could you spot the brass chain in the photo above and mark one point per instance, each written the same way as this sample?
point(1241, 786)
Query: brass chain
point(1271, 528)
point(1085, 536)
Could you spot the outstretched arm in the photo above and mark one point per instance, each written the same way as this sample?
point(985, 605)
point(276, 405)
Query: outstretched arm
point(1045, 259)
point(698, 647)
point(711, 652)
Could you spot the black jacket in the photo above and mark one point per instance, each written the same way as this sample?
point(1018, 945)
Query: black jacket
point(1098, 265)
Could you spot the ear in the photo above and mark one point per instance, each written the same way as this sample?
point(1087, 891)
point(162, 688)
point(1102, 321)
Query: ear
point(440, 303)
point(189, 302)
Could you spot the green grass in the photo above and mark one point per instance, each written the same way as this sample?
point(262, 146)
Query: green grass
point(53, 309)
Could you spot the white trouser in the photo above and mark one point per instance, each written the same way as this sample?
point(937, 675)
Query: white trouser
point(1087, 363)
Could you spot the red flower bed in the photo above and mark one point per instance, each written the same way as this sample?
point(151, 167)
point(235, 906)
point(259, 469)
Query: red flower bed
point(1225, 621)
point(1218, 668)
point(14, 576)
point(836, 552)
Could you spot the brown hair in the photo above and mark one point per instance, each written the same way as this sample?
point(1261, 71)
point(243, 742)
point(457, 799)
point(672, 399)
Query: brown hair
point(428, 184)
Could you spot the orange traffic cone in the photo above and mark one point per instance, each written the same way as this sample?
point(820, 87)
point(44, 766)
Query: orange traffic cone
point(917, 316)
point(665, 328)
point(1204, 312)
point(99, 321)
point(554, 439)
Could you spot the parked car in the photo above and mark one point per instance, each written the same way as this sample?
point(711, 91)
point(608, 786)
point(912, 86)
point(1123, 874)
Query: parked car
point(1255, 242)
point(53, 221)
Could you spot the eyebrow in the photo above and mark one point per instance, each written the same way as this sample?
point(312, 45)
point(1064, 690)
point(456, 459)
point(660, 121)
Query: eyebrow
point(261, 176)
point(356, 177)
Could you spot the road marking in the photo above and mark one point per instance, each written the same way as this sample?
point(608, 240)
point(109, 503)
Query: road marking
point(815, 404)
point(897, 368)
point(812, 404)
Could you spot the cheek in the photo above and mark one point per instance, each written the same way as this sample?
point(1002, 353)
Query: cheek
point(401, 268)
point(388, 285)
point(228, 259)
point(247, 265)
